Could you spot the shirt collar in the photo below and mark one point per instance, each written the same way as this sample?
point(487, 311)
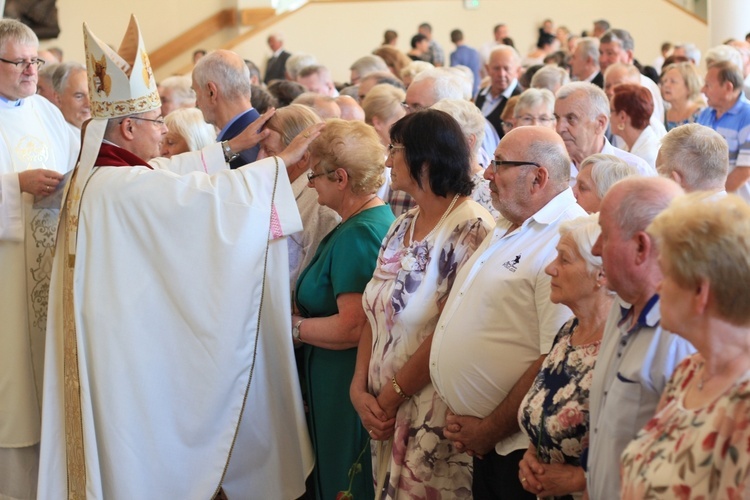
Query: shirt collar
point(738, 105)
point(7, 103)
point(649, 318)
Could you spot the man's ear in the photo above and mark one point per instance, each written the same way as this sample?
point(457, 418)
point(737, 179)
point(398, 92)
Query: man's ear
point(213, 91)
point(126, 129)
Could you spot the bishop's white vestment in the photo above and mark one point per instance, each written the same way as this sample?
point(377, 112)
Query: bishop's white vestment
point(175, 365)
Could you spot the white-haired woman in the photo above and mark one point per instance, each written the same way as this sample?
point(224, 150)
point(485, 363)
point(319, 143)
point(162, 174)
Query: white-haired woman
point(535, 107)
point(596, 175)
point(186, 131)
point(696, 446)
point(550, 77)
point(471, 121)
point(555, 412)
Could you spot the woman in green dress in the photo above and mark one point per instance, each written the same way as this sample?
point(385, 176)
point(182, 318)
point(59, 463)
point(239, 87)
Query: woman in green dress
point(346, 171)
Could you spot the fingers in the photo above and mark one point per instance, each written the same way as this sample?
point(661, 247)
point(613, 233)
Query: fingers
point(39, 182)
point(527, 477)
point(262, 119)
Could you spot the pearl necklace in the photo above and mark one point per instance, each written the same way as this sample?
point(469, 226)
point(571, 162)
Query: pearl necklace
point(437, 226)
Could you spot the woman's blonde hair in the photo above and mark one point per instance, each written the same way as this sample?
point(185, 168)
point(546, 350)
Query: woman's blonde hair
point(355, 147)
point(704, 237)
point(382, 101)
point(291, 120)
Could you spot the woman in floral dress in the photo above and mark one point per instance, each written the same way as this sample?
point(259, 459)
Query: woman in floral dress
point(696, 446)
point(555, 412)
point(418, 261)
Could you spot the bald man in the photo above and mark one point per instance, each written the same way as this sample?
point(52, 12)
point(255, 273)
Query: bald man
point(486, 353)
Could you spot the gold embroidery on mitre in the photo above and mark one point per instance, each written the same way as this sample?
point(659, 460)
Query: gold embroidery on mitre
point(147, 73)
point(102, 81)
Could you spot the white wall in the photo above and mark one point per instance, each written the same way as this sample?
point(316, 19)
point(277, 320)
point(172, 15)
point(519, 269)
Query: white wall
point(340, 32)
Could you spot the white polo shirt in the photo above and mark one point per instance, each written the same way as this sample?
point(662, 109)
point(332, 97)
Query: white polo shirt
point(498, 318)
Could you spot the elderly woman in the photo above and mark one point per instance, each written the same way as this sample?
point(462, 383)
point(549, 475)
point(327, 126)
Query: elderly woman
point(681, 86)
point(346, 171)
point(418, 261)
point(408, 73)
point(382, 106)
point(696, 444)
point(471, 121)
point(317, 220)
point(186, 131)
point(535, 107)
point(506, 118)
point(631, 107)
point(555, 412)
point(596, 175)
point(550, 77)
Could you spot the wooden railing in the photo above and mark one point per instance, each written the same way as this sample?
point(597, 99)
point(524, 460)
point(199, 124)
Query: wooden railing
point(224, 19)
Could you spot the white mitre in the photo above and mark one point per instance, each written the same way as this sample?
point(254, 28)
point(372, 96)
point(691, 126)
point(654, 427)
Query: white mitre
point(120, 84)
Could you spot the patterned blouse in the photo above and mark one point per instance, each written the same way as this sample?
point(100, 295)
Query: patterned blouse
point(555, 412)
point(692, 453)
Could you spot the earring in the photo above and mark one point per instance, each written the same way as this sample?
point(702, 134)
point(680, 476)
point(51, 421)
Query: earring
point(620, 127)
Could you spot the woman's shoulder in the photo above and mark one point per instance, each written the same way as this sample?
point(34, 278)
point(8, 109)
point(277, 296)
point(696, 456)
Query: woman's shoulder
point(373, 221)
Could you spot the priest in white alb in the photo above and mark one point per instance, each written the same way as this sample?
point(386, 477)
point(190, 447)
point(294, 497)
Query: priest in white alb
point(36, 149)
point(170, 370)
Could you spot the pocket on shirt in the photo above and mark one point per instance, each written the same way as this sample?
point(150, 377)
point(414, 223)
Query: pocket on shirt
point(625, 395)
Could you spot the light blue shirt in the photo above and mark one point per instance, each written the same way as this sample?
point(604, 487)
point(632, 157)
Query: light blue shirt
point(631, 371)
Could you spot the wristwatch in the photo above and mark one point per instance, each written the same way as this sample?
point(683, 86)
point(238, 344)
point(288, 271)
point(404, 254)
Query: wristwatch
point(295, 330)
point(228, 154)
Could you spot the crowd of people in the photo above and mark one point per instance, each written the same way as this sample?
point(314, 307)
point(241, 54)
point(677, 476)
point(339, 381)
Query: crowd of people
point(486, 275)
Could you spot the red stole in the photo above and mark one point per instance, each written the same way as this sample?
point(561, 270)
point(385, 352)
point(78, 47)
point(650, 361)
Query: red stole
point(114, 156)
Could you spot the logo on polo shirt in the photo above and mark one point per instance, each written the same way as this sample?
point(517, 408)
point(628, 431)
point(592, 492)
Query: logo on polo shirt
point(512, 265)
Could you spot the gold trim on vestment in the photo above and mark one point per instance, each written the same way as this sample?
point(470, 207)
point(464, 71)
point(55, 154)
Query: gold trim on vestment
point(75, 456)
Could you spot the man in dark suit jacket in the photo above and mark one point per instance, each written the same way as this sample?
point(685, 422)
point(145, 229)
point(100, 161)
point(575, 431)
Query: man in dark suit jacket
point(225, 102)
point(503, 67)
point(276, 66)
point(584, 62)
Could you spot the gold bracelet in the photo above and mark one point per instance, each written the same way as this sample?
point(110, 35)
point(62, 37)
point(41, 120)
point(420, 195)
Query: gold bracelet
point(398, 389)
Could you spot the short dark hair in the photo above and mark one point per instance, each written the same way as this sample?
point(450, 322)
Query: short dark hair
point(285, 91)
point(261, 99)
point(457, 36)
point(434, 140)
point(416, 39)
point(426, 26)
point(254, 70)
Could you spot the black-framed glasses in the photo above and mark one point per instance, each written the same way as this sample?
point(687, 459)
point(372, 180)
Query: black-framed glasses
point(24, 65)
point(392, 148)
point(511, 163)
point(311, 176)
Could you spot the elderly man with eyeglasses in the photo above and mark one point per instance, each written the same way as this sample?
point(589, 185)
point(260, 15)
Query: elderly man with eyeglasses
point(582, 113)
point(498, 322)
point(36, 148)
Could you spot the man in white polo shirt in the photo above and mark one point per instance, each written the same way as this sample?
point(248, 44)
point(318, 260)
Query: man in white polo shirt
point(498, 323)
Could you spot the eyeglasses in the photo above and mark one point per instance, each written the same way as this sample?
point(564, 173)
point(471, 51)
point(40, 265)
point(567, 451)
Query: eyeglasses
point(511, 163)
point(530, 120)
point(159, 121)
point(311, 176)
point(392, 148)
point(24, 65)
point(412, 108)
point(506, 125)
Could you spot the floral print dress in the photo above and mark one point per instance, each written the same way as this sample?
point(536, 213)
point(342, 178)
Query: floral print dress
point(692, 453)
point(403, 302)
point(555, 412)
